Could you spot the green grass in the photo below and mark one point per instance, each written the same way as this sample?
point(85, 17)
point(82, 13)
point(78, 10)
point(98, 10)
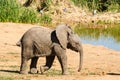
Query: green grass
point(112, 5)
point(28, 16)
point(14, 66)
point(9, 11)
point(46, 19)
point(53, 72)
point(4, 60)
point(12, 53)
point(12, 11)
point(6, 78)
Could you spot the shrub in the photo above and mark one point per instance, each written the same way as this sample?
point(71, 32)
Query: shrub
point(45, 19)
point(100, 5)
point(28, 16)
point(9, 11)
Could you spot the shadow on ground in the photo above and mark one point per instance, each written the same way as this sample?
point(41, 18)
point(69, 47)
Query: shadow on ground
point(9, 71)
point(115, 74)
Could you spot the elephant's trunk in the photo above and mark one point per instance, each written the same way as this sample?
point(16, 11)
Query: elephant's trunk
point(81, 59)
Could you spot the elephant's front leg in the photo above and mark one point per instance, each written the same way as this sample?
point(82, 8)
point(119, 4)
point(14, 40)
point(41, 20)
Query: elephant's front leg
point(33, 68)
point(62, 57)
point(49, 62)
point(63, 61)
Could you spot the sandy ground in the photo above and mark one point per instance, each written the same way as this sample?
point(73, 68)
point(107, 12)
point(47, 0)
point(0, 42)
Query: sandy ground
point(100, 63)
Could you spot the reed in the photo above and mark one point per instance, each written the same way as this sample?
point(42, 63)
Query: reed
point(100, 5)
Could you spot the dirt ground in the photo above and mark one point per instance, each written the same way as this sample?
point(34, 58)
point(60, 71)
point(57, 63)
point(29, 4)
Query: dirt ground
point(99, 63)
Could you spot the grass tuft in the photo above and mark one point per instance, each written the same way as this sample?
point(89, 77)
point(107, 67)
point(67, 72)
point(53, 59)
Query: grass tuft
point(6, 78)
point(53, 72)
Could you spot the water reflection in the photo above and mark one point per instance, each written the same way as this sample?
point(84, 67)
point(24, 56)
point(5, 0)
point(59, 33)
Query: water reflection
point(109, 37)
point(108, 42)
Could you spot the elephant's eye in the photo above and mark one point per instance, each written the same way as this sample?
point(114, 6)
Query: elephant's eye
point(72, 32)
point(69, 27)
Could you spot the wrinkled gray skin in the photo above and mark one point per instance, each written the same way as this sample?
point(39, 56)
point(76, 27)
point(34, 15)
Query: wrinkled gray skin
point(38, 42)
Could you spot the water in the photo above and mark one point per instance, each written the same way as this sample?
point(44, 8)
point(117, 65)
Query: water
point(108, 37)
point(108, 42)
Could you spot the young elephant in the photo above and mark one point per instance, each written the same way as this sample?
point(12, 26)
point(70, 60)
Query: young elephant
point(38, 41)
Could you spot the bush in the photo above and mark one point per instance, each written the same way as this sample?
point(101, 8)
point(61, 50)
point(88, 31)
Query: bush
point(9, 11)
point(45, 18)
point(100, 5)
point(28, 16)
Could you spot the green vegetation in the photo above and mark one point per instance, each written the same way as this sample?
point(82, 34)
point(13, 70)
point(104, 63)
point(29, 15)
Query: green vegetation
point(11, 11)
point(100, 5)
point(14, 66)
point(28, 16)
point(12, 53)
point(45, 19)
point(53, 72)
point(6, 78)
point(95, 33)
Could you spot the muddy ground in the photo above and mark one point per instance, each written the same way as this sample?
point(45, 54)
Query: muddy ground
point(100, 63)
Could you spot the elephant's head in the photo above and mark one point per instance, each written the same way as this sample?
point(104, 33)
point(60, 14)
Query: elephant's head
point(68, 39)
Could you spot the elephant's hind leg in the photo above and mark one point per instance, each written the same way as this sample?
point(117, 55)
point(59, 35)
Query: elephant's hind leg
point(33, 68)
point(23, 68)
point(26, 54)
point(49, 62)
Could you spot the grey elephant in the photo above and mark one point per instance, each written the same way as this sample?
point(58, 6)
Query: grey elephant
point(38, 42)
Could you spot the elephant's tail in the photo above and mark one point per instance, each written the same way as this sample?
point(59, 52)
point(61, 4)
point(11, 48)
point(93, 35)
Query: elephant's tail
point(18, 43)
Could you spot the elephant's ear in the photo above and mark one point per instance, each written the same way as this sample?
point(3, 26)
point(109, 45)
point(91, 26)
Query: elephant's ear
point(62, 34)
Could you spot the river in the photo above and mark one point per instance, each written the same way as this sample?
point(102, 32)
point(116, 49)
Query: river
point(109, 37)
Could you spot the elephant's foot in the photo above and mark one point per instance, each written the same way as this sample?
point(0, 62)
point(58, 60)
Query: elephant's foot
point(33, 71)
point(65, 73)
point(43, 69)
point(23, 72)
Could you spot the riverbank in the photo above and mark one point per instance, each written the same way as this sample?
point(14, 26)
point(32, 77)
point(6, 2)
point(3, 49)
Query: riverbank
point(100, 63)
point(66, 11)
point(69, 13)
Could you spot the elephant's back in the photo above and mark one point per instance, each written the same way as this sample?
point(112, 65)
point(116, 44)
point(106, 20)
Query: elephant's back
point(39, 30)
point(40, 34)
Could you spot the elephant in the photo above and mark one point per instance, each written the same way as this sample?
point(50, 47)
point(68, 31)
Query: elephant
point(44, 42)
